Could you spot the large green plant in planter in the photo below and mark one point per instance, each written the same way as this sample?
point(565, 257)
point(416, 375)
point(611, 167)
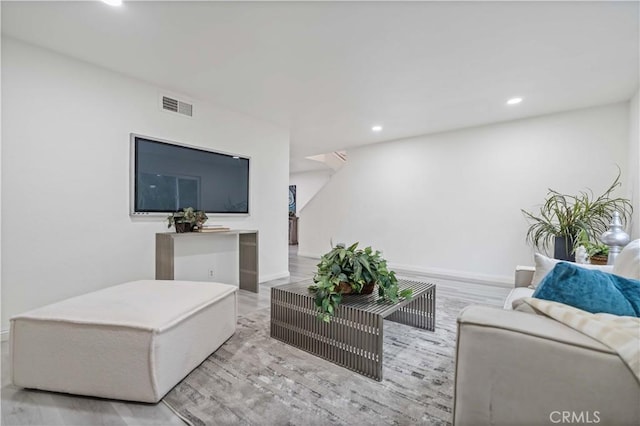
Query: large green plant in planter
point(347, 270)
point(572, 216)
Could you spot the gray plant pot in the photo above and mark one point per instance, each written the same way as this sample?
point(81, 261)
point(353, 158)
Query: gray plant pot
point(183, 227)
point(563, 249)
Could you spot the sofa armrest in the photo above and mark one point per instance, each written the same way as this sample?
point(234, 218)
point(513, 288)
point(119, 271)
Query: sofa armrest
point(518, 368)
point(524, 275)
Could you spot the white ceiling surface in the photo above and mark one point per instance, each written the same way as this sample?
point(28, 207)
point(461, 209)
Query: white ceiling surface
point(329, 71)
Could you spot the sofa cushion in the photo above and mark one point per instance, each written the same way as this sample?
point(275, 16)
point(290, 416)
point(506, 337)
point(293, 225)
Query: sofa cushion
point(590, 290)
point(516, 294)
point(544, 265)
point(628, 261)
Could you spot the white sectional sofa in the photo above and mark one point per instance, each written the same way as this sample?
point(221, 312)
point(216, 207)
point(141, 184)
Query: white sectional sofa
point(519, 368)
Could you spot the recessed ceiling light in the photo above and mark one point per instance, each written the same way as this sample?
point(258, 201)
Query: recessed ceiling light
point(514, 101)
point(113, 2)
point(236, 157)
point(376, 128)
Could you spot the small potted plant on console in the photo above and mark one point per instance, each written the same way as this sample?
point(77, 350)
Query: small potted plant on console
point(597, 253)
point(186, 219)
point(350, 270)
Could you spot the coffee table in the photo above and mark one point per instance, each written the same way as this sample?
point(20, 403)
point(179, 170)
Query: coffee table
point(353, 338)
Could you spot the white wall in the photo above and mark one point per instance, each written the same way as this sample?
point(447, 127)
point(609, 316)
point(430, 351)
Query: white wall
point(308, 184)
point(634, 162)
point(66, 228)
point(450, 203)
point(1, 68)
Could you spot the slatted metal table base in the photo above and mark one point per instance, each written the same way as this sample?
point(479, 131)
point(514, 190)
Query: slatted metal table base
point(353, 338)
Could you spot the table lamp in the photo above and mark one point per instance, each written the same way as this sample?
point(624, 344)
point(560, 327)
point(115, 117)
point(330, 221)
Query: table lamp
point(615, 238)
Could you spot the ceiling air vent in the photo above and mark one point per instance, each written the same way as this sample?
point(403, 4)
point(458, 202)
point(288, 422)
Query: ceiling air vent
point(174, 105)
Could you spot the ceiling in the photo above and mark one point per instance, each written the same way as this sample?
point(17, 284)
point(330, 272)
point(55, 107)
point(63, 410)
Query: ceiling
point(329, 71)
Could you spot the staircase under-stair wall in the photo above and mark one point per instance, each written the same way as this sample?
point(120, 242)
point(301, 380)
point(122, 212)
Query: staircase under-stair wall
point(332, 160)
point(323, 215)
point(308, 184)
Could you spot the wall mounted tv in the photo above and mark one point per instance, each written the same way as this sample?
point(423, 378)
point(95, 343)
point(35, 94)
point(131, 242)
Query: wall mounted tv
point(167, 176)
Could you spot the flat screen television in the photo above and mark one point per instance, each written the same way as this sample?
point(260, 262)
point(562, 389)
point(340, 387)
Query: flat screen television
point(167, 176)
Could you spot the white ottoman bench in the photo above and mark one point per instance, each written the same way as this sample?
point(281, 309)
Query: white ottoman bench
point(133, 341)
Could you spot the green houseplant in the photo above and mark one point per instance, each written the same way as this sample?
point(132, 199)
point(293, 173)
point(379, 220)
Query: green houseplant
point(186, 219)
point(566, 217)
point(597, 252)
point(347, 270)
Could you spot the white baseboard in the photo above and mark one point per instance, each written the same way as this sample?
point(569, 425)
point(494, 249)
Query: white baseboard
point(4, 335)
point(265, 278)
point(445, 274)
point(449, 274)
point(311, 255)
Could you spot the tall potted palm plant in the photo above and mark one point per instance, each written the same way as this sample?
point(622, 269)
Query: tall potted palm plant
point(563, 218)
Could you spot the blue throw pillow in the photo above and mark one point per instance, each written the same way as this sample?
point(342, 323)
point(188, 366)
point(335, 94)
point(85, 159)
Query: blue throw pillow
point(590, 290)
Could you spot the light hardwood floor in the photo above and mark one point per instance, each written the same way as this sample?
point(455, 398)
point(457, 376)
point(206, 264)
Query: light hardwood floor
point(28, 407)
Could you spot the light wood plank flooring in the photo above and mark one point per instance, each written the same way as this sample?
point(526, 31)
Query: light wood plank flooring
point(28, 407)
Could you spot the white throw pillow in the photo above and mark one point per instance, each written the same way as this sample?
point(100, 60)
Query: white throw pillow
point(628, 261)
point(544, 265)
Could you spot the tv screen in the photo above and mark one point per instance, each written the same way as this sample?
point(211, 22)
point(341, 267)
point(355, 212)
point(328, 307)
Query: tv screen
point(167, 177)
